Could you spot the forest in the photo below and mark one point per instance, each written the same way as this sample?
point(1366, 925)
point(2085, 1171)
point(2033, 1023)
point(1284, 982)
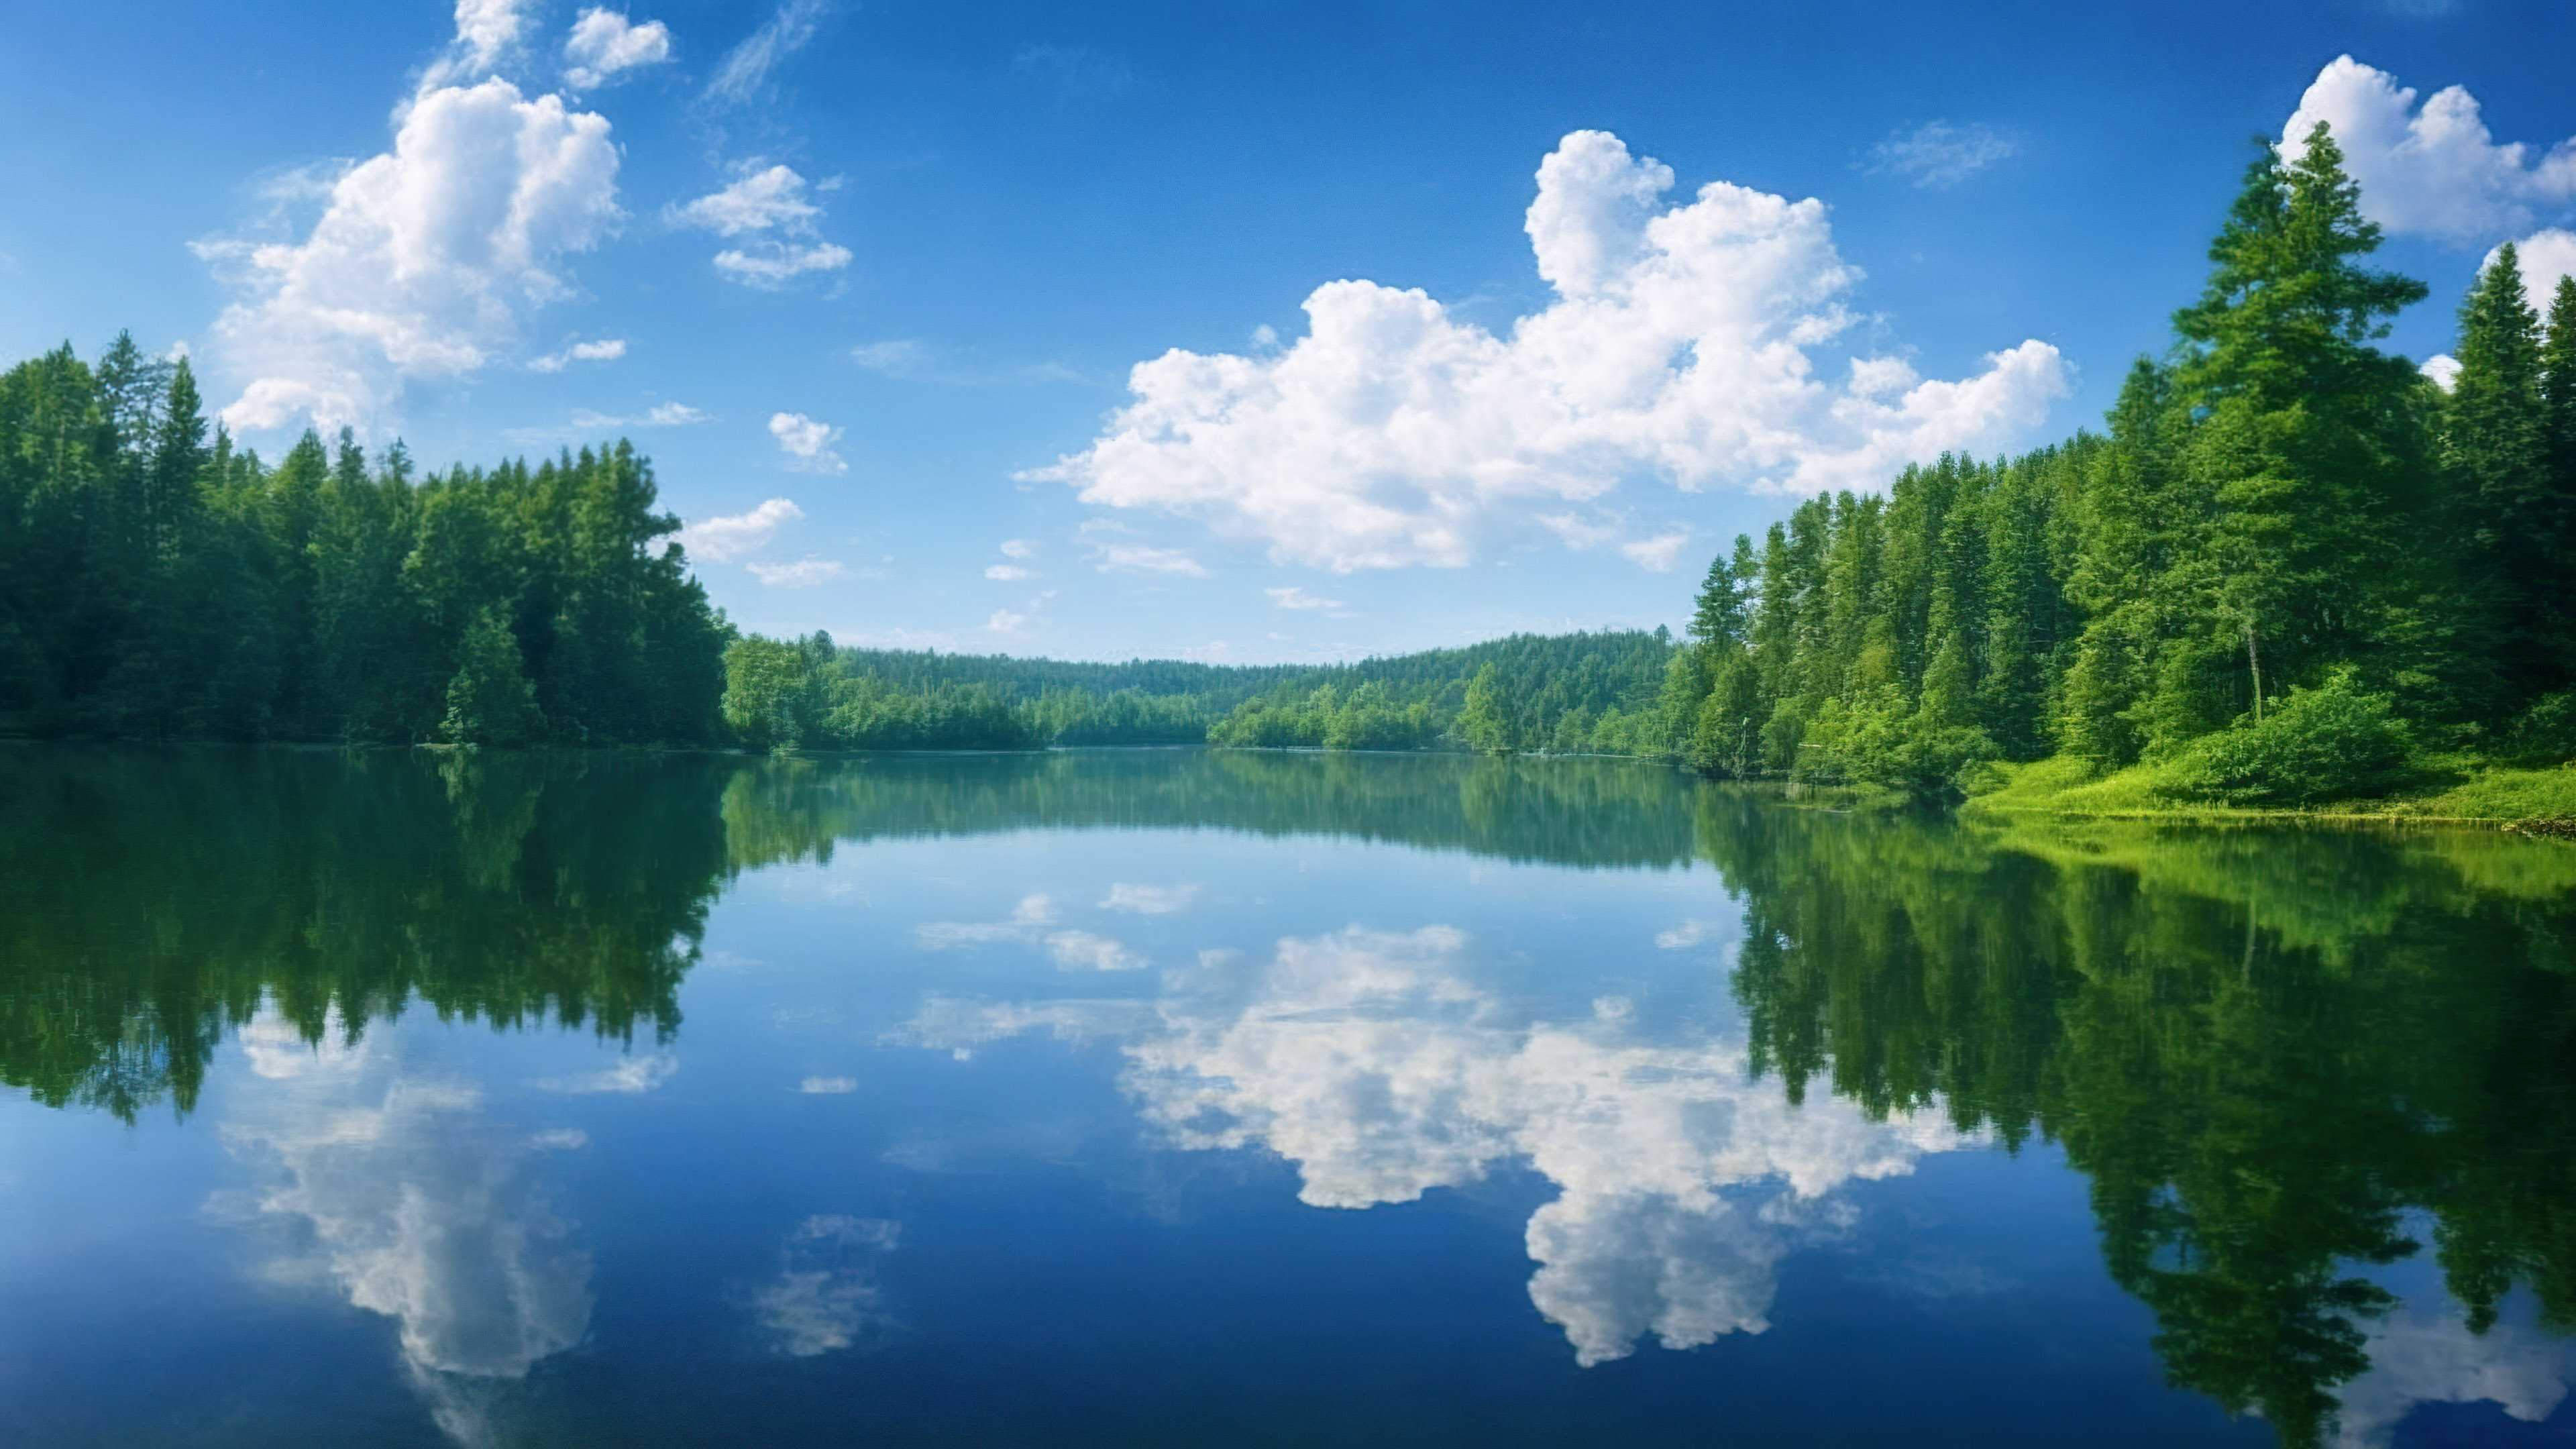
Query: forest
point(2296, 569)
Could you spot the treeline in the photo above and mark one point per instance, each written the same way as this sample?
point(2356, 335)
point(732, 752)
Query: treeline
point(157, 582)
point(1565, 694)
point(2296, 567)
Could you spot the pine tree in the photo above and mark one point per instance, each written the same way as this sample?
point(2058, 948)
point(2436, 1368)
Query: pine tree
point(2495, 455)
point(1481, 724)
point(490, 701)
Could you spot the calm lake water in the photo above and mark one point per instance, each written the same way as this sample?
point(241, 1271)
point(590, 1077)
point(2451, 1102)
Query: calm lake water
point(1186, 1098)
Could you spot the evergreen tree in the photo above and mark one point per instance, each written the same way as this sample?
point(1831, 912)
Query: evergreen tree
point(490, 701)
point(2495, 455)
point(1482, 724)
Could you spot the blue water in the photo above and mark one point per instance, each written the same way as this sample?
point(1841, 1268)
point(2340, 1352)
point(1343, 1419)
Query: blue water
point(1013, 1131)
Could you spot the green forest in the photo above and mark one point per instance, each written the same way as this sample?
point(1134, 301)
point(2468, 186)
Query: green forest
point(2296, 569)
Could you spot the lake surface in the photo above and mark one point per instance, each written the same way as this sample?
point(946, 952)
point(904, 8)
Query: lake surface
point(1191, 1098)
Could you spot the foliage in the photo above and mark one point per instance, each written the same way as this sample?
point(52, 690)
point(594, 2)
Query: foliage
point(156, 583)
point(2283, 523)
point(2327, 743)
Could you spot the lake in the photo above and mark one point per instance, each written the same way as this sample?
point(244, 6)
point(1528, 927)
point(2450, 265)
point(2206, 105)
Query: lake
point(1230, 1098)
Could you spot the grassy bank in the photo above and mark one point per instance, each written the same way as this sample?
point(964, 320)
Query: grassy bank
point(2455, 790)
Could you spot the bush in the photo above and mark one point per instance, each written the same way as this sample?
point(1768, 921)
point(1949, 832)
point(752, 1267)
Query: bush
point(2546, 732)
point(2328, 743)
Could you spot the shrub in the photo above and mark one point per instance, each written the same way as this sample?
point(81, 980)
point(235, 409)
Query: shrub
point(2546, 732)
point(2327, 743)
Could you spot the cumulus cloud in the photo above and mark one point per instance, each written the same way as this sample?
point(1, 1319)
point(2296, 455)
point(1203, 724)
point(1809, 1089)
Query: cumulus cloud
point(2437, 171)
point(1376, 1063)
point(398, 1194)
point(770, 208)
point(2433, 1358)
point(1007, 573)
point(825, 1297)
point(487, 31)
point(745, 68)
point(1019, 548)
point(808, 442)
point(1005, 622)
point(425, 260)
point(1938, 154)
point(604, 44)
point(606, 350)
point(729, 537)
point(1678, 347)
point(2443, 368)
point(802, 574)
point(1297, 598)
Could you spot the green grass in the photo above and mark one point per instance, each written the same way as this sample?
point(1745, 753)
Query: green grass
point(2460, 789)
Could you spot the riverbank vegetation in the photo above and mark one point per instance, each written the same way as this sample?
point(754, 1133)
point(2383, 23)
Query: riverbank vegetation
point(2296, 571)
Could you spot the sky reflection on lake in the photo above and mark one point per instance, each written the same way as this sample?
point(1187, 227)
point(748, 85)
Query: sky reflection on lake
point(1186, 1098)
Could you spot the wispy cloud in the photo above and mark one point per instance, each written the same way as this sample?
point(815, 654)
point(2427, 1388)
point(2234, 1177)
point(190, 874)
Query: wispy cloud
point(1657, 555)
point(1938, 154)
point(1075, 72)
point(745, 68)
point(802, 574)
point(606, 350)
point(1298, 598)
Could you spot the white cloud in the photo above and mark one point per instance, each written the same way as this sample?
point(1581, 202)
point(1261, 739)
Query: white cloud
point(729, 537)
point(747, 66)
point(604, 44)
point(1137, 558)
point(825, 1297)
point(759, 201)
point(1657, 555)
point(781, 263)
point(1006, 622)
point(808, 442)
point(674, 414)
point(1393, 434)
point(893, 359)
point(802, 574)
point(2421, 1358)
point(756, 205)
point(608, 350)
point(1081, 950)
point(487, 31)
point(1939, 154)
point(406, 1201)
point(2434, 172)
point(425, 259)
point(2443, 368)
point(1686, 935)
point(631, 1075)
point(1149, 900)
point(1377, 1064)
point(1027, 922)
point(1297, 598)
point(1019, 548)
point(1006, 573)
point(828, 1086)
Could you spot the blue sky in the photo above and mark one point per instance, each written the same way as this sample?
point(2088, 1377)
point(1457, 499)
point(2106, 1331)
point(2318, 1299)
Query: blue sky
point(1488, 317)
